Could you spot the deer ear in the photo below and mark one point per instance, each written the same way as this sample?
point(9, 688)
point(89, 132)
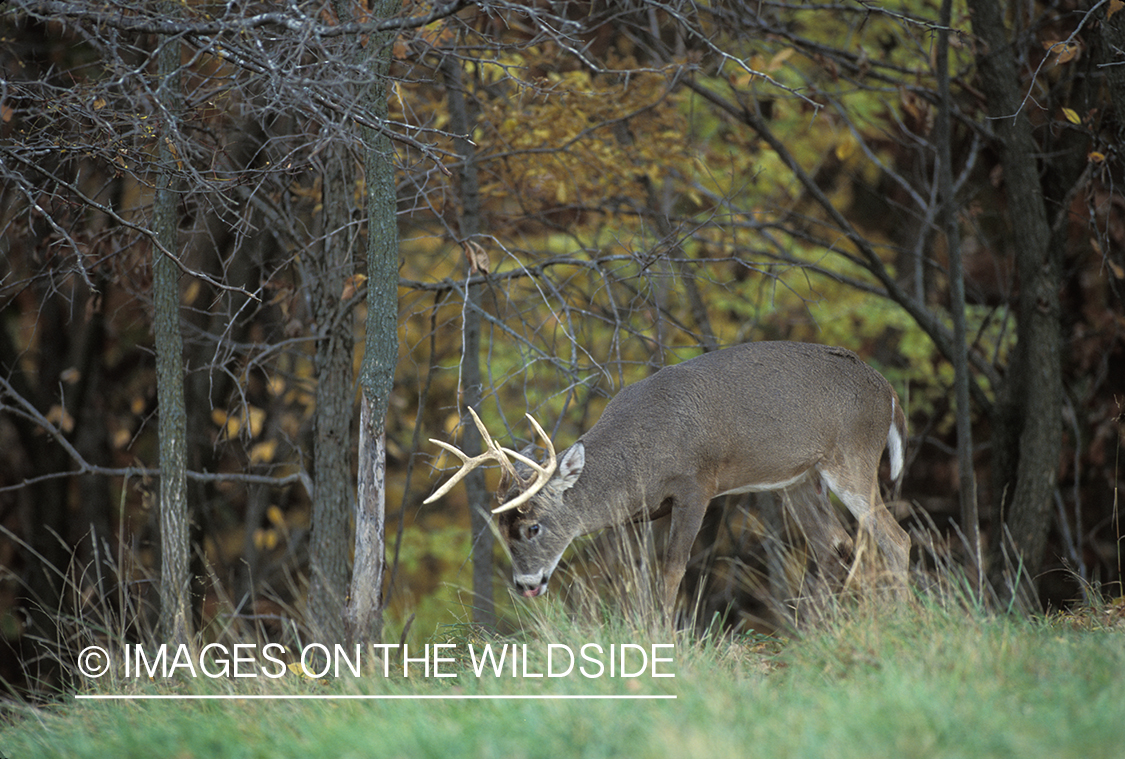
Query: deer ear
point(570, 466)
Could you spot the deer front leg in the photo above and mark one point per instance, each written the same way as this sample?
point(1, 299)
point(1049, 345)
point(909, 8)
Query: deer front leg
point(807, 503)
point(687, 518)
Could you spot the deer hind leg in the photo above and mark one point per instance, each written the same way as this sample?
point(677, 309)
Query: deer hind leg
point(873, 516)
point(893, 540)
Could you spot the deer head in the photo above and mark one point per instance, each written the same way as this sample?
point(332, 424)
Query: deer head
point(537, 533)
point(531, 501)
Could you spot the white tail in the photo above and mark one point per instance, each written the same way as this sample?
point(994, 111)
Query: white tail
point(895, 443)
point(758, 416)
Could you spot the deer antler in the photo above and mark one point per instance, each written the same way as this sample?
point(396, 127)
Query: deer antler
point(500, 456)
point(469, 463)
point(542, 473)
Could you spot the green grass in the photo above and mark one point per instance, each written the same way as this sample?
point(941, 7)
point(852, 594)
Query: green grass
point(925, 682)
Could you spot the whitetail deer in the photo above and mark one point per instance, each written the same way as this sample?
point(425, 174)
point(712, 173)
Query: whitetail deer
point(758, 416)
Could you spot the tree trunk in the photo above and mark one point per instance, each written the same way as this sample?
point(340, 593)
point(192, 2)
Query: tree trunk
point(480, 516)
point(175, 622)
point(328, 273)
point(943, 136)
point(364, 614)
point(1027, 420)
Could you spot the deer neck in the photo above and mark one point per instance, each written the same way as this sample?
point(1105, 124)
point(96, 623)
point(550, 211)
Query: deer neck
point(610, 490)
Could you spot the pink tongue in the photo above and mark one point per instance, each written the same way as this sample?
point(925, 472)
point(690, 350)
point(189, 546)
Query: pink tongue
point(534, 591)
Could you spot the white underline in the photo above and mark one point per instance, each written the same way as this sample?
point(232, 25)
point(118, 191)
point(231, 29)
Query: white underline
point(327, 697)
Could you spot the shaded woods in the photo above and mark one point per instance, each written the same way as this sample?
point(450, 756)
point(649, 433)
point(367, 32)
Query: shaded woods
point(370, 216)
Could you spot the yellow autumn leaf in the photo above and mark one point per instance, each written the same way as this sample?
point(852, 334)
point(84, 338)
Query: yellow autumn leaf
point(192, 292)
point(741, 77)
point(231, 423)
point(263, 452)
point(61, 418)
point(352, 285)
point(1095, 156)
point(275, 515)
point(1114, 6)
point(175, 152)
point(256, 418)
point(1072, 115)
point(121, 437)
point(265, 540)
point(780, 58)
point(1117, 270)
point(1064, 52)
point(252, 416)
point(306, 192)
point(276, 386)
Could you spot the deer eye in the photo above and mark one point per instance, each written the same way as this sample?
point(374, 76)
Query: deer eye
point(532, 531)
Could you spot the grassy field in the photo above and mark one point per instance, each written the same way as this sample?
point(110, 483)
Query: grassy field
point(922, 682)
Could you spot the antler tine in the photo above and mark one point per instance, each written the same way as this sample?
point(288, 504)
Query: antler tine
point(496, 451)
point(469, 463)
point(542, 473)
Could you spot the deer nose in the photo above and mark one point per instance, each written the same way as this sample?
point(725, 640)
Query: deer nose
point(530, 586)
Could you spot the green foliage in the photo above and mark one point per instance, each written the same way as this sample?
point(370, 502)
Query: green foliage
point(432, 561)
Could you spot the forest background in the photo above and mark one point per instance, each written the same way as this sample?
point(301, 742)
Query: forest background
point(253, 253)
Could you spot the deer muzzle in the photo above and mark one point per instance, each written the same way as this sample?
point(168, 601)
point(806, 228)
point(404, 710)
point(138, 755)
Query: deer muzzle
point(530, 586)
